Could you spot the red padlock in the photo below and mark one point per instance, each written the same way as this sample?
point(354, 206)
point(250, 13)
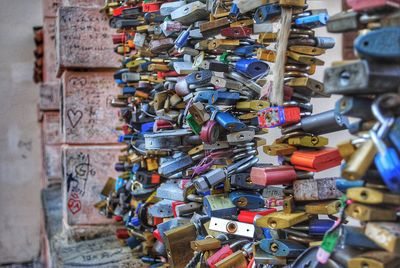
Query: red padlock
point(316, 161)
point(122, 233)
point(210, 132)
point(272, 175)
point(151, 7)
point(362, 5)
point(118, 38)
point(221, 254)
point(237, 32)
point(174, 205)
point(248, 216)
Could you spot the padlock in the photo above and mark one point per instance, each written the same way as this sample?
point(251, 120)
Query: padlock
point(323, 208)
point(362, 77)
point(282, 247)
point(281, 220)
point(315, 189)
point(370, 213)
point(247, 200)
point(272, 175)
point(385, 234)
point(205, 244)
point(357, 5)
point(320, 124)
point(316, 161)
point(278, 116)
point(219, 206)
point(279, 149)
point(236, 259)
point(374, 259)
point(177, 239)
point(367, 195)
point(308, 141)
point(232, 227)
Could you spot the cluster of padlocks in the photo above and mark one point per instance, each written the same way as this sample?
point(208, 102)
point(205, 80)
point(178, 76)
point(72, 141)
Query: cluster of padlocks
point(196, 85)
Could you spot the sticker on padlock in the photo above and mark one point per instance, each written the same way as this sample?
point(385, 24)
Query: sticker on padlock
point(278, 116)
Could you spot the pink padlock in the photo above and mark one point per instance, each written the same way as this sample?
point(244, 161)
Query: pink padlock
point(210, 132)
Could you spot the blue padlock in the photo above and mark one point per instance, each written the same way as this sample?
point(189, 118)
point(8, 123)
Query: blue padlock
point(118, 76)
point(226, 120)
point(319, 226)
point(247, 200)
point(183, 37)
point(343, 184)
point(147, 127)
point(379, 44)
point(313, 21)
point(220, 97)
point(135, 167)
point(252, 68)
point(282, 247)
point(119, 183)
point(234, 12)
point(127, 137)
point(387, 162)
point(246, 51)
point(145, 66)
point(128, 91)
point(267, 12)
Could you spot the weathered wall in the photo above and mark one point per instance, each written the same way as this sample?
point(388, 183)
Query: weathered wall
point(20, 206)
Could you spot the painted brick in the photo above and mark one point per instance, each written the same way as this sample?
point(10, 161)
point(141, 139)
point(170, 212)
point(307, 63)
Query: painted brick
point(51, 128)
point(49, 66)
point(87, 115)
point(52, 164)
point(50, 8)
point(85, 171)
point(50, 96)
point(84, 40)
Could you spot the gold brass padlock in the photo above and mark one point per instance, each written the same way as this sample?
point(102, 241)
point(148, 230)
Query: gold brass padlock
point(248, 116)
point(151, 164)
point(266, 54)
point(385, 234)
point(308, 141)
point(305, 59)
point(205, 244)
point(288, 205)
point(346, 149)
point(312, 51)
point(370, 213)
point(324, 208)
point(254, 105)
point(374, 259)
point(223, 44)
point(281, 220)
point(360, 161)
point(367, 195)
point(177, 244)
point(241, 23)
point(237, 260)
point(293, 3)
point(279, 149)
